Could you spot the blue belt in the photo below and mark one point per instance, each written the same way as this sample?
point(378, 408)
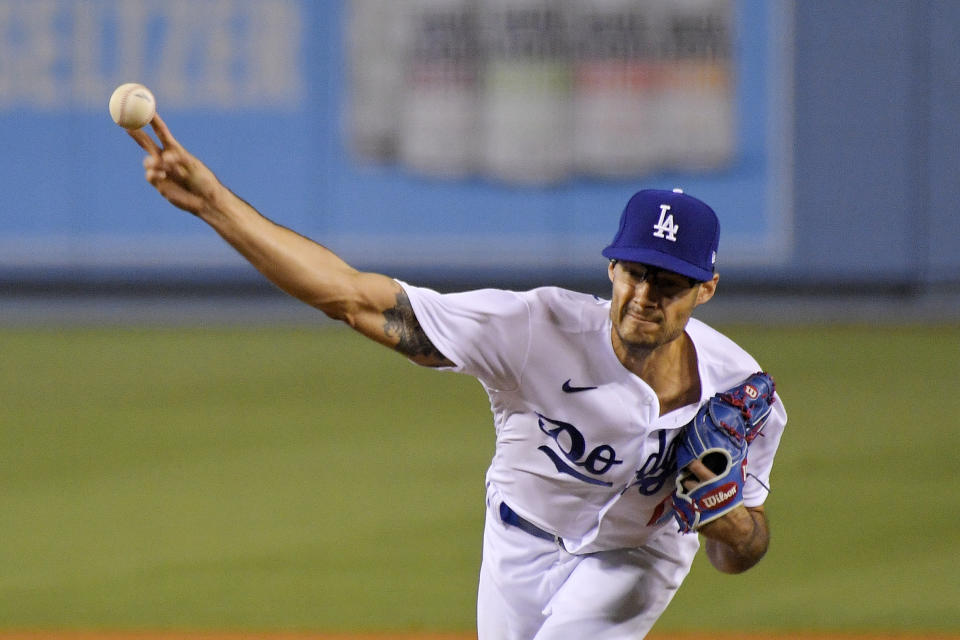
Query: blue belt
point(512, 518)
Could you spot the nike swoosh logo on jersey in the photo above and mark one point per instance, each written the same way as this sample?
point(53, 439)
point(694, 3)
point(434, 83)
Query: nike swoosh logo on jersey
point(568, 388)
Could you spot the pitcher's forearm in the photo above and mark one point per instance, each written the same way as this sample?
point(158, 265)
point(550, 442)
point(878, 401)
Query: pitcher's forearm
point(297, 265)
point(738, 541)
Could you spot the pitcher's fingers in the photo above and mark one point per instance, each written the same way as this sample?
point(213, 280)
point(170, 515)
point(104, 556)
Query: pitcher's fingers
point(163, 133)
point(155, 176)
point(145, 141)
point(700, 470)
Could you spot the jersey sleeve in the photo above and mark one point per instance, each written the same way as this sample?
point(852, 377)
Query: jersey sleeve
point(485, 333)
point(760, 457)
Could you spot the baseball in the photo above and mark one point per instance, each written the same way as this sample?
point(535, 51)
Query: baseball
point(132, 105)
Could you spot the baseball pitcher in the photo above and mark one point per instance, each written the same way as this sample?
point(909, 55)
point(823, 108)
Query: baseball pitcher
point(626, 430)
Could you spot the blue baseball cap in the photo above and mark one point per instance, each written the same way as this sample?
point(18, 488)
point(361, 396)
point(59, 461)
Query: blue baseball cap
point(669, 230)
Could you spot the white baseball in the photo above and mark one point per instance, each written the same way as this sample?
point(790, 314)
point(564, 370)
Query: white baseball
point(132, 105)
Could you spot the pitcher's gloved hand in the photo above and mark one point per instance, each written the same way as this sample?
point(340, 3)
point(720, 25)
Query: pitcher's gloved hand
point(718, 437)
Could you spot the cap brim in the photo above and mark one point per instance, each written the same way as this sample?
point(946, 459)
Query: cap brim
point(657, 259)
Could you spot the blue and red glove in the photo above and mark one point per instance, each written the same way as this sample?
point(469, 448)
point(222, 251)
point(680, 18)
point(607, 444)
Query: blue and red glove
point(718, 437)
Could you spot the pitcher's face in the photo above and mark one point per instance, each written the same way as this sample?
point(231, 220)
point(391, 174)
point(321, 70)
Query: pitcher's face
point(650, 307)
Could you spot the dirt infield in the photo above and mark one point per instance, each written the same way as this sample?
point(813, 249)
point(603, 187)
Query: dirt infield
point(173, 635)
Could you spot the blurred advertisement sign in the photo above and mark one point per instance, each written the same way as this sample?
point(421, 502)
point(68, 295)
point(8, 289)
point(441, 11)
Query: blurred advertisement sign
point(469, 135)
point(540, 91)
point(58, 55)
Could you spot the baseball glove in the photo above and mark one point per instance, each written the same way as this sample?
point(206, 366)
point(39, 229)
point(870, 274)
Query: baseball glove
point(718, 437)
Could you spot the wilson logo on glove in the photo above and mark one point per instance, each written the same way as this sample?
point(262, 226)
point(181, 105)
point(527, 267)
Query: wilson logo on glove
point(719, 496)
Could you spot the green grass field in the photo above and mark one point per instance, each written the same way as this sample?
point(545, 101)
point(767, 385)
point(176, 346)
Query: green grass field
point(307, 479)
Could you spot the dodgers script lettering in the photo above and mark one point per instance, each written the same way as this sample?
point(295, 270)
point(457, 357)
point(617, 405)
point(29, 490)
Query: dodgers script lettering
point(572, 447)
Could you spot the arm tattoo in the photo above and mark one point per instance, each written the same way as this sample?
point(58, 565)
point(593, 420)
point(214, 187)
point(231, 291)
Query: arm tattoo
point(402, 323)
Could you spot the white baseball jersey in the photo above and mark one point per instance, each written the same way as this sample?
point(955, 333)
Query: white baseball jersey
point(582, 451)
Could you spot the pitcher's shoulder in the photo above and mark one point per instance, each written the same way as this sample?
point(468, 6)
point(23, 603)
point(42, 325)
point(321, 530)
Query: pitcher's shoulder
point(719, 355)
point(568, 310)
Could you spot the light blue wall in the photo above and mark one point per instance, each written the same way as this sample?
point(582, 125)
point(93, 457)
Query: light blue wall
point(877, 141)
point(939, 247)
point(847, 172)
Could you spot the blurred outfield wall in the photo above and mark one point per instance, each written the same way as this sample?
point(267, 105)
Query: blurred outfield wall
point(473, 138)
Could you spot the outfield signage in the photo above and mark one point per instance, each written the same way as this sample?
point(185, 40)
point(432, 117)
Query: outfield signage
point(438, 136)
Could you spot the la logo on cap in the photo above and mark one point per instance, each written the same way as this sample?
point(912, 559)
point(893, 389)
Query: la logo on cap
point(666, 227)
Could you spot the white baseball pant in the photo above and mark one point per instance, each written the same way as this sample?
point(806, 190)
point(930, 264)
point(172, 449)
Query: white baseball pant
point(532, 589)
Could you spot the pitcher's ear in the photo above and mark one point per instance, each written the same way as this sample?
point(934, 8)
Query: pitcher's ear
point(707, 289)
